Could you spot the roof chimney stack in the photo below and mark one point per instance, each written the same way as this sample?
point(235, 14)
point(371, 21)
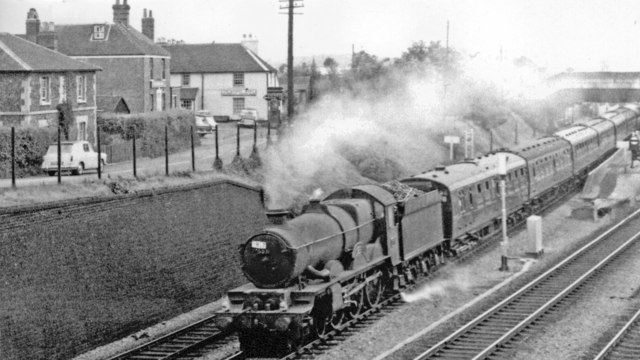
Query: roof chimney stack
point(121, 13)
point(33, 25)
point(250, 42)
point(148, 25)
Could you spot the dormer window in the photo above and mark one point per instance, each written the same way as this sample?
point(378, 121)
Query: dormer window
point(99, 32)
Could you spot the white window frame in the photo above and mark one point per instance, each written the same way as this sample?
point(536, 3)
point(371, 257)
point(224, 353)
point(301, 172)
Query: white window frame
point(238, 79)
point(237, 108)
point(62, 89)
point(186, 79)
point(81, 88)
point(186, 104)
point(45, 90)
point(99, 32)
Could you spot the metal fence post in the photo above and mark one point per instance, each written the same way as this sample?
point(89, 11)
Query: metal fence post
point(135, 174)
point(255, 136)
point(193, 152)
point(217, 163)
point(13, 156)
point(166, 150)
point(99, 153)
point(59, 158)
point(237, 140)
point(268, 133)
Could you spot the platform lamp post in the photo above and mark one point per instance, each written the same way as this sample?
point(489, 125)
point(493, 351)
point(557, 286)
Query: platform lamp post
point(502, 171)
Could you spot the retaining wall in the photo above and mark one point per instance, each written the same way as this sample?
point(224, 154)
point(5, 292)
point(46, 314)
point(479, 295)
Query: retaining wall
point(79, 274)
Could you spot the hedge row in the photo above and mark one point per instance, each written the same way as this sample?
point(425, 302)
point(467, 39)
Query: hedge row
point(116, 131)
point(148, 129)
point(30, 146)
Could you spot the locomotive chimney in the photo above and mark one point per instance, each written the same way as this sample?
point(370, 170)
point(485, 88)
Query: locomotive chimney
point(279, 216)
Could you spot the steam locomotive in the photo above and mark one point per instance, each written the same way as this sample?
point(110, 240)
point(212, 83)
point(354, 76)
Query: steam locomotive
point(311, 273)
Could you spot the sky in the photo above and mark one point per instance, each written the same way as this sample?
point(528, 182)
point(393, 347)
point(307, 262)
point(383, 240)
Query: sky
point(586, 35)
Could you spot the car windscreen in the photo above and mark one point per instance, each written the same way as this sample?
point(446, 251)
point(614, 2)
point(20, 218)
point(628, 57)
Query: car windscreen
point(64, 148)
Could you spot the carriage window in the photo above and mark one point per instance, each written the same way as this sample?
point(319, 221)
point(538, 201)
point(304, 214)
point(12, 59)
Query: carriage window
point(479, 188)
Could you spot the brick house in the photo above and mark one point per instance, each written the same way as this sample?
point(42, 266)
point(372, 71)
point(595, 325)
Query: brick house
point(134, 67)
point(34, 80)
point(220, 78)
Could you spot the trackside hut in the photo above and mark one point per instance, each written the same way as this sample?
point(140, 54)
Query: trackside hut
point(220, 78)
point(34, 80)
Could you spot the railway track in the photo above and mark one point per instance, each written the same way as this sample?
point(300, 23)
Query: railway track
point(202, 338)
point(625, 344)
point(189, 342)
point(490, 334)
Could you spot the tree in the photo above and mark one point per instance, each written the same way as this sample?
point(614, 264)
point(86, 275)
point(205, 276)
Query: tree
point(366, 66)
point(432, 58)
point(331, 65)
point(65, 118)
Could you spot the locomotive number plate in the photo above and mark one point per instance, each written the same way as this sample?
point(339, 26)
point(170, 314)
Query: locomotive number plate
point(258, 244)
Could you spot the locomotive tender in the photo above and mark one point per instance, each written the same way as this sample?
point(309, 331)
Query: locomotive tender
point(311, 273)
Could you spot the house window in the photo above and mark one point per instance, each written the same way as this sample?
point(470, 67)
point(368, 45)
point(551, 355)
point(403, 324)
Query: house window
point(82, 128)
point(164, 68)
point(99, 32)
point(238, 79)
point(63, 89)
point(45, 90)
point(174, 101)
point(186, 104)
point(238, 104)
point(186, 79)
point(153, 102)
point(81, 88)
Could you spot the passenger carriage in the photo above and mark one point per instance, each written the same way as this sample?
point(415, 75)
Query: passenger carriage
point(471, 199)
point(549, 167)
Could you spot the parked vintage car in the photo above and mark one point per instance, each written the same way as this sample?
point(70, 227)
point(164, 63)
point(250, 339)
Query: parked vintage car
point(75, 156)
point(248, 117)
point(205, 123)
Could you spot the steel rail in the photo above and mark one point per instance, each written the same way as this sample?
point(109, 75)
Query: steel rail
point(176, 343)
point(536, 310)
point(626, 343)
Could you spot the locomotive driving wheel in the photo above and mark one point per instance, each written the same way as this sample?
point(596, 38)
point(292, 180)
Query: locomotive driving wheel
point(324, 325)
point(374, 289)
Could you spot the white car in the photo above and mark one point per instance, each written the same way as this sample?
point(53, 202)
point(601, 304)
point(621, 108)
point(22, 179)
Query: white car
point(248, 117)
point(75, 156)
point(205, 123)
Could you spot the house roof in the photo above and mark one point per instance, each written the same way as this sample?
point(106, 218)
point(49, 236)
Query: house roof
point(111, 103)
point(188, 93)
point(215, 58)
point(120, 39)
point(17, 54)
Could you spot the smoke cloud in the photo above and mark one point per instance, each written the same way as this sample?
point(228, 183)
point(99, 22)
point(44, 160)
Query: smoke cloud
point(456, 280)
point(342, 140)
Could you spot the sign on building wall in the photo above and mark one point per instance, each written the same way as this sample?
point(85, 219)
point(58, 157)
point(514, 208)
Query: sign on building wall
point(239, 92)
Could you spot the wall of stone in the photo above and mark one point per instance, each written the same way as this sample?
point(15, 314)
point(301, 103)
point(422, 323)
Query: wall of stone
point(81, 274)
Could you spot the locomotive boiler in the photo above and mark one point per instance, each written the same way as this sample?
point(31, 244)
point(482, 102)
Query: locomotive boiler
point(310, 244)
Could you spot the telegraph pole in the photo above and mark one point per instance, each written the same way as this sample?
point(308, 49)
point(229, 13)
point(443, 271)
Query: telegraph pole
point(292, 4)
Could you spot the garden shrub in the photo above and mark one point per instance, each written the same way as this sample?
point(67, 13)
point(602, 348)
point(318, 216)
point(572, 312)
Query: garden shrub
point(30, 146)
point(148, 129)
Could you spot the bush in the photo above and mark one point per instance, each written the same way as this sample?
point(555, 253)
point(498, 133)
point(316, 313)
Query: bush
point(148, 129)
point(30, 146)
